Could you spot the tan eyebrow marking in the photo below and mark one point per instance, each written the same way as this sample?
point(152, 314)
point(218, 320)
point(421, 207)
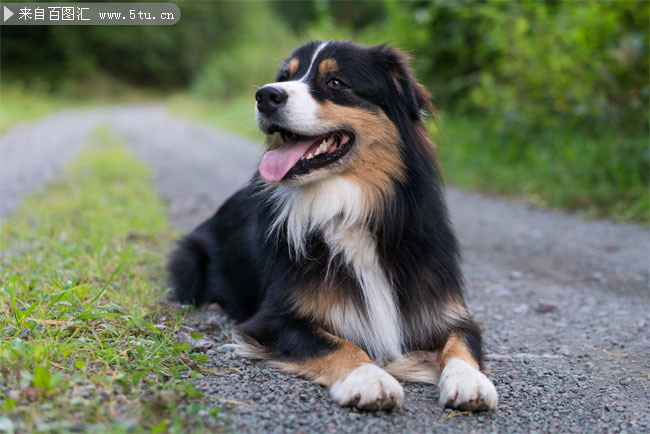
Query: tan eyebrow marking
point(293, 65)
point(328, 65)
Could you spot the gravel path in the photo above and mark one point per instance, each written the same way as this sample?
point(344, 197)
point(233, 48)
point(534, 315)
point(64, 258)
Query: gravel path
point(31, 154)
point(564, 302)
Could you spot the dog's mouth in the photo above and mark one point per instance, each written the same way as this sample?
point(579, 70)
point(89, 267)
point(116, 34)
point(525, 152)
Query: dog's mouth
point(298, 154)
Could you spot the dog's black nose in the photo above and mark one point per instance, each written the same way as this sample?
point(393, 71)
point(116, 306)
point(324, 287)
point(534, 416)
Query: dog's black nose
point(269, 98)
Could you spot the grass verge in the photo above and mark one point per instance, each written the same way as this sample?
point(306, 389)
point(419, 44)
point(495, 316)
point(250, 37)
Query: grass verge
point(20, 105)
point(85, 344)
point(236, 115)
point(23, 103)
point(603, 175)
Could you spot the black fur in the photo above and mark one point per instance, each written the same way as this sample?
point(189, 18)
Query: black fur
point(230, 259)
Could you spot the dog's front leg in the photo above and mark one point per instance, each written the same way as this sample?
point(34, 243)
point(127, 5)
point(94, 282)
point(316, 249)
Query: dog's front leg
point(353, 379)
point(462, 384)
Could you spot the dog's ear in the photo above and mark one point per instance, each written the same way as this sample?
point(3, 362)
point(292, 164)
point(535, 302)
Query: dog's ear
point(410, 93)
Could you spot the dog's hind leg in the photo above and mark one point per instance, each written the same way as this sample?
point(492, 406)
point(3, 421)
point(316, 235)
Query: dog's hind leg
point(188, 269)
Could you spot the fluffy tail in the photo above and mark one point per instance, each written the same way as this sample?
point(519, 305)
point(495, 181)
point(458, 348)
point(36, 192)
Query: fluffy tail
point(416, 366)
point(188, 270)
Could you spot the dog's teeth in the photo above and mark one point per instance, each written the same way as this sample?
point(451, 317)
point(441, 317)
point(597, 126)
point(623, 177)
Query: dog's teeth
point(310, 156)
point(318, 151)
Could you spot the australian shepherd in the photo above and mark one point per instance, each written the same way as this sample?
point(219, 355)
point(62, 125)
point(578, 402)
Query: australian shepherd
point(337, 260)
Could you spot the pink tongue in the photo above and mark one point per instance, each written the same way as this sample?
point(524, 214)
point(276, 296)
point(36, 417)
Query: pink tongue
point(275, 164)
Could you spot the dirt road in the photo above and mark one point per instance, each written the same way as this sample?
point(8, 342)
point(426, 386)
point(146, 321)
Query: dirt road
point(564, 302)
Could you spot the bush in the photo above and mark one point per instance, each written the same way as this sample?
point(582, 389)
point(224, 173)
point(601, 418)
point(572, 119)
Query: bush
point(531, 65)
point(248, 64)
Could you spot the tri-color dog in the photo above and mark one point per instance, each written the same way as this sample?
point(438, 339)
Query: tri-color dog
point(337, 260)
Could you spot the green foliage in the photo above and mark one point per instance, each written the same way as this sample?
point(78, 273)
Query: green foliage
point(84, 344)
point(568, 66)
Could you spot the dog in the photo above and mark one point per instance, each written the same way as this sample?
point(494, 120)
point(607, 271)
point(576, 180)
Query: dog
point(337, 260)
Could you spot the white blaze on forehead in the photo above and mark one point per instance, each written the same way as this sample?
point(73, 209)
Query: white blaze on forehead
point(313, 59)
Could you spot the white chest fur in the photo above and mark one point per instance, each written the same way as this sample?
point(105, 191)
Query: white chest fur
point(336, 207)
point(378, 329)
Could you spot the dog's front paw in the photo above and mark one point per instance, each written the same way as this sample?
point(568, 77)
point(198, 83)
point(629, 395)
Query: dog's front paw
point(465, 388)
point(369, 388)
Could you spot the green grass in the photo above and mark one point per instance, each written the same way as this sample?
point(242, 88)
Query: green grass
point(23, 103)
point(605, 175)
point(84, 341)
point(20, 105)
point(236, 115)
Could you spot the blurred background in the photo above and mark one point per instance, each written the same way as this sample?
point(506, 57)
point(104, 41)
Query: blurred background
point(545, 101)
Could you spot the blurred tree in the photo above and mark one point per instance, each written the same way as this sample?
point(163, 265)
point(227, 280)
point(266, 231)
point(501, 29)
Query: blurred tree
point(355, 14)
point(149, 56)
point(297, 16)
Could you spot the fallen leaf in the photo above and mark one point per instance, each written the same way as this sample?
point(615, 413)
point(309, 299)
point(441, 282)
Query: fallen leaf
point(609, 353)
point(456, 413)
point(232, 401)
point(47, 321)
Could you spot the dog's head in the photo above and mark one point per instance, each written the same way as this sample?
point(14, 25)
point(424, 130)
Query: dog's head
point(339, 108)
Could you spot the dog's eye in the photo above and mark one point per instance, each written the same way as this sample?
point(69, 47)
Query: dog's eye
point(334, 83)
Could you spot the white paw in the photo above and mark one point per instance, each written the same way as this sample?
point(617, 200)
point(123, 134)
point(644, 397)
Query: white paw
point(465, 388)
point(369, 388)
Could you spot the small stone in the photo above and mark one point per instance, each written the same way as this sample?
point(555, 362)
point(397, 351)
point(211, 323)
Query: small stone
point(545, 308)
point(522, 308)
point(598, 276)
point(201, 344)
point(214, 307)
